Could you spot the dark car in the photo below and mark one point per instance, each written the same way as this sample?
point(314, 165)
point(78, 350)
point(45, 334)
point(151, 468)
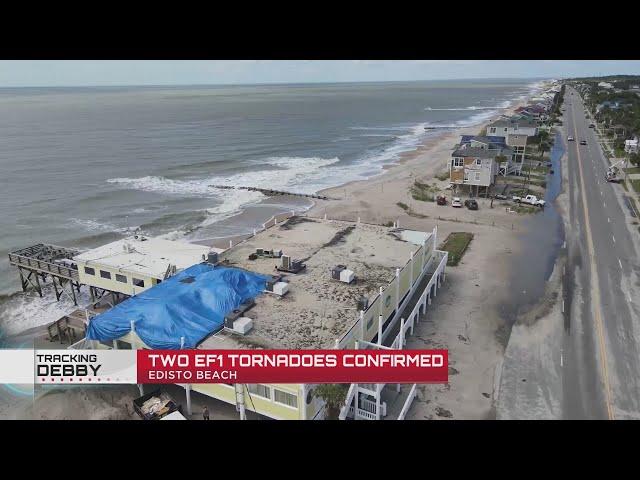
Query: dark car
point(441, 200)
point(471, 204)
point(583, 142)
point(591, 125)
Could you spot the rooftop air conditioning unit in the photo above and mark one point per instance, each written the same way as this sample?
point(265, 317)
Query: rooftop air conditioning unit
point(232, 317)
point(347, 276)
point(281, 288)
point(242, 325)
point(212, 258)
point(285, 262)
point(335, 271)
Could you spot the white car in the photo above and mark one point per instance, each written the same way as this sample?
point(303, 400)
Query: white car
point(570, 139)
point(456, 202)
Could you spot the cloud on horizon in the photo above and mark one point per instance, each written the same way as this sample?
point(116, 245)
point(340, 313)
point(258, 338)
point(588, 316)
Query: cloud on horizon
point(21, 73)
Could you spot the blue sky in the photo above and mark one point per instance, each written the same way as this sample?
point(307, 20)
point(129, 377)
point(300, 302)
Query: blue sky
point(14, 73)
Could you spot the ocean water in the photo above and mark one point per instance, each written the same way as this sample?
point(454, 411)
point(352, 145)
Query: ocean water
point(84, 166)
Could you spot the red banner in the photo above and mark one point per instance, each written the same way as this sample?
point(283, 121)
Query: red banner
point(293, 366)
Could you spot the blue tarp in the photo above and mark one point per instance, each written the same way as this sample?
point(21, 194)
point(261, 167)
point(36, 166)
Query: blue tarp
point(191, 304)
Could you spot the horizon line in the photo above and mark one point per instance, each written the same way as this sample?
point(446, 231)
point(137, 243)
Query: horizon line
point(124, 85)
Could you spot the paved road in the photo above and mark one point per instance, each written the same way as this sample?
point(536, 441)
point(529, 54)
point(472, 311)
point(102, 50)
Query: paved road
point(601, 349)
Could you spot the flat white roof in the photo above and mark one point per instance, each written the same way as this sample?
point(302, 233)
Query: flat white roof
point(145, 255)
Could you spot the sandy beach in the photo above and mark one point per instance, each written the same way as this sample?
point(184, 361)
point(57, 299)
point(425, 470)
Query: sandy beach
point(465, 318)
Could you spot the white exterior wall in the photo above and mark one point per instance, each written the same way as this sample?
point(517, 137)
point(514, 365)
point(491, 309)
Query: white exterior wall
point(113, 284)
point(481, 175)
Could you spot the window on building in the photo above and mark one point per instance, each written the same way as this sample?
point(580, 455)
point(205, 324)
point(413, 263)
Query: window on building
point(121, 278)
point(259, 390)
point(137, 282)
point(458, 162)
point(479, 162)
point(285, 398)
point(477, 176)
point(492, 130)
point(106, 275)
point(89, 271)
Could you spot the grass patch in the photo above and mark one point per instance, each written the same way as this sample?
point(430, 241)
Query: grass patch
point(636, 185)
point(624, 185)
point(403, 206)
point(424, 192)
point(632, 170)
point(522, 180)
point(525, 209)
point(456, 244)
point(541, 170)
point(388, 224)
point(443, 176)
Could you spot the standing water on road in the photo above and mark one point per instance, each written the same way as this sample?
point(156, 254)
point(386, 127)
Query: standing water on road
point(532, 267)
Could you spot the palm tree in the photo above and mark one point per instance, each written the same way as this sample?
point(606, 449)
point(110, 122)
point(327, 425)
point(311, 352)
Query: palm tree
point(333, 395)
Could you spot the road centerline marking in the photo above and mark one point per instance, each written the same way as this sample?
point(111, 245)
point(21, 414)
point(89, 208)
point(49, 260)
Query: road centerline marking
point(594, 281)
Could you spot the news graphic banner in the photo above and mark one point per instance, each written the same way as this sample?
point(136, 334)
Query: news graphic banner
point(73, 367)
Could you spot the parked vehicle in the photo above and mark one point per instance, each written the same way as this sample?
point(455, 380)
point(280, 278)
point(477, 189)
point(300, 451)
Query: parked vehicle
point(612, 177)
point(592, 125)
point(441, 200)
point(499, 196)
point(471, 204)
point(530, 199)
point(583, 142)
point(456, 202)
point(570, 138)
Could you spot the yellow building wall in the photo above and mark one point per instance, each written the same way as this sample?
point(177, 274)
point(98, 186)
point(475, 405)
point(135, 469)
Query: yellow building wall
point(255, 403)
point(417, 264)
point(405, 280)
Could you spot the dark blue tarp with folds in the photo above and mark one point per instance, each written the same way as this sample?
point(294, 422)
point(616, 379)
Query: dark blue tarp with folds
point(191, 304)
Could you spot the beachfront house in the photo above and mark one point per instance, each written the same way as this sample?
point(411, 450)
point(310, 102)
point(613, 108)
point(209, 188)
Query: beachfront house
point(476, 163)
point(238, 304)
point(131, 265)
point(509, 163)
point(518, 144)
point(509, 125)
point(631, 146)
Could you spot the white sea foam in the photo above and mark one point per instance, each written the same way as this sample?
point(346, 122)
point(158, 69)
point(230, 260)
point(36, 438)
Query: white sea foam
point(165, 185)
point(99, 227)
point(23, 311)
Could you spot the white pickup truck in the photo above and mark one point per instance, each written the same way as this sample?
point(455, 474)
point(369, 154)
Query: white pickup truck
point(530, 199)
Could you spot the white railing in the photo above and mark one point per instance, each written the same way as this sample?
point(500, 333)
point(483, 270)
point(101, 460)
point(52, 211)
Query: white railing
point(82, 344)
point(407, 403)
point(348, 409)
point(370, 406)
point(366, 415)
point(414, 316)
point(344, 411)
